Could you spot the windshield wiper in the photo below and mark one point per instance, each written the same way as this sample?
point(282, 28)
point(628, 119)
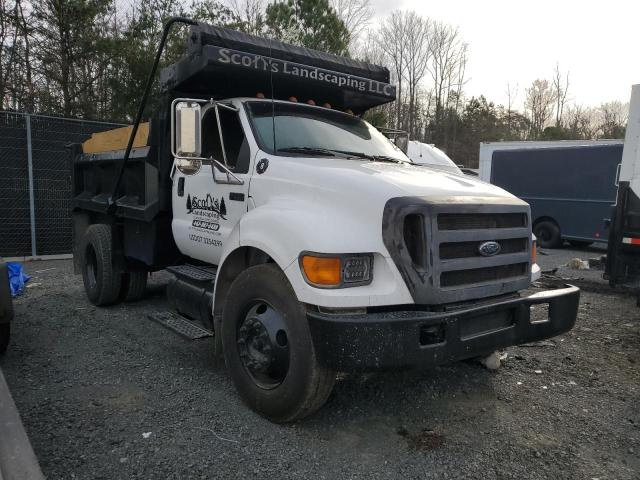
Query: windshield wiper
point(343, 153)
point(373, 158)
point(308, 150)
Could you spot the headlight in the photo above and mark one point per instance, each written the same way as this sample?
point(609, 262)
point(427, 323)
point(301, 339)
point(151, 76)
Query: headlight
point(336, 270)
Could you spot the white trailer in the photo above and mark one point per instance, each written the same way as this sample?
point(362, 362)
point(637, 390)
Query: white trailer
point(623, 255)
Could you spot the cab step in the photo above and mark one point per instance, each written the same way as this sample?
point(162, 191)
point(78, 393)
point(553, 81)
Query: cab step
point(190, 292)
point(180, 325)
point(194, 273)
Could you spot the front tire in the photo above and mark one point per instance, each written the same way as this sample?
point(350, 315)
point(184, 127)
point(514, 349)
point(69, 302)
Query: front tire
point(101, 281)
point(268, 347)
point(548, 234)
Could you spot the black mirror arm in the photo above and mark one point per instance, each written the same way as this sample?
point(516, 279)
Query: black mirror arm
point(143, 102)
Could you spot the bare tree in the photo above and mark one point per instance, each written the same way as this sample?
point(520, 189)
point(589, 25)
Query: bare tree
point(560, 91)
point(392, 40)
point(416, 60)
point(448, 70)
point(9, 35)
point(538, 104)
point(355, 14)
point(581, 122)
point(512, 95)
point(250, 13)
point(613, 118)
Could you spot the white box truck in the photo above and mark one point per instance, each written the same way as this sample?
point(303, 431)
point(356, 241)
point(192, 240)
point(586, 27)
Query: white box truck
point(623, 254)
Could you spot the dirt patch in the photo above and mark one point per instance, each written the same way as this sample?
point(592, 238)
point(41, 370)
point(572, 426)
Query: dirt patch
point(424, 440)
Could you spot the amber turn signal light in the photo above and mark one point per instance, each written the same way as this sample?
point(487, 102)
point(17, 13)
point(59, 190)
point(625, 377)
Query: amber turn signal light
point(534, 252)
point(322, 270)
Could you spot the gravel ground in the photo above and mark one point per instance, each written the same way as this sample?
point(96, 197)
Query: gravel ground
point(108, 393)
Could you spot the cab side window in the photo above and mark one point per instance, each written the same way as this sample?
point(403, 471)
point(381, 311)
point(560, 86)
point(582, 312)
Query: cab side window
point(235, 142)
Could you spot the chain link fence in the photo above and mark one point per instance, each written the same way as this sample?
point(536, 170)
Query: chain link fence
point(35, 186)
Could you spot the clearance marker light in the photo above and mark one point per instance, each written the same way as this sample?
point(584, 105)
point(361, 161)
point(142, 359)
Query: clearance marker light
point(631, 241)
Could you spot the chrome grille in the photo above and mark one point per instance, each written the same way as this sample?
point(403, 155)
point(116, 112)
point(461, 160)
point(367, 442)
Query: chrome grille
point(435, 244)
point(473, 221)
point(452, 250)
point(460, 271)
point(479, 275)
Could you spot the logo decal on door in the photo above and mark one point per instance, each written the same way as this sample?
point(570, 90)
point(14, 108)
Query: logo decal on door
point(208, 204)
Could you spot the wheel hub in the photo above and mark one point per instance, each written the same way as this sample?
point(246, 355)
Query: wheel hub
point(263, 346)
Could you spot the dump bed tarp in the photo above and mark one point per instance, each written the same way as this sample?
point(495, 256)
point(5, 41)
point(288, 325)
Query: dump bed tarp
point(224, 63)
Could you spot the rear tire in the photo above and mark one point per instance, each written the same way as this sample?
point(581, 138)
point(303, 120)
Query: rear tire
point(134, 286)
point(268, 347)
point(101, 281)
point(548, 234)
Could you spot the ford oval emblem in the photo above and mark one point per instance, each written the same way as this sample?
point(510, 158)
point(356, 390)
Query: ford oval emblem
point(489, 249)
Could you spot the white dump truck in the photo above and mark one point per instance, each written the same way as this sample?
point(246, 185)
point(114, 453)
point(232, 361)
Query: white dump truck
point(296, 232)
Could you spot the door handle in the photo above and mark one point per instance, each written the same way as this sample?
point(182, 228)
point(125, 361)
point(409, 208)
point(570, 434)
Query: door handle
point(181, 187)
point(237, 196)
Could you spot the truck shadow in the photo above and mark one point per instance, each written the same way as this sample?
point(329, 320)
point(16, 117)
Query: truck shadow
point(418, 411)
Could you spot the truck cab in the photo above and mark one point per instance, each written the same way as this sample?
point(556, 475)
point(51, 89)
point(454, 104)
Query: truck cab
point(300, 235)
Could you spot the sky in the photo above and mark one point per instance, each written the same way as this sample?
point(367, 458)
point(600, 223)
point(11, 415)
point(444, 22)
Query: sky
point(514, 42)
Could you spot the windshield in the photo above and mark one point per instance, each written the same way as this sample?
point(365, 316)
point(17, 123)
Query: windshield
point(300, 127)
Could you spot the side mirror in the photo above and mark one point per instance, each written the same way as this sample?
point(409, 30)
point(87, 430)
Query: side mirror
point(402, 143)
point(187, 129)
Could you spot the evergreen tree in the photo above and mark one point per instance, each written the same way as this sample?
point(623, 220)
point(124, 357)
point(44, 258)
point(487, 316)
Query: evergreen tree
point(223, 208)
point(309, 23)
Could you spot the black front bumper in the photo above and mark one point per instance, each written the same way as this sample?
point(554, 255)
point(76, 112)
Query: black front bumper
point(414, 339)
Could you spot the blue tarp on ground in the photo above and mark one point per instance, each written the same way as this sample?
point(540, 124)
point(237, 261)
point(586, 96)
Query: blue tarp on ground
point(17, 278)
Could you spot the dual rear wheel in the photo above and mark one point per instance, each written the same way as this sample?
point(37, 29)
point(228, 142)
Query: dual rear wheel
point(103, 284)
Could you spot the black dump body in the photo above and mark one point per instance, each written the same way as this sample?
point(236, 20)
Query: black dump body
point(218, 63)
point(141, 213)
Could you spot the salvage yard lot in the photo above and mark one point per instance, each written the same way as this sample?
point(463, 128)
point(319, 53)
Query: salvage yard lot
point(108, 393)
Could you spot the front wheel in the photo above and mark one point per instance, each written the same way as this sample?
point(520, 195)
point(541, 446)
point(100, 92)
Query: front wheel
point(268, 347)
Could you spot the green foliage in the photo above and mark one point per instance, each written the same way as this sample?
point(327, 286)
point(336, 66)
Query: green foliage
point(310, 23)
point(376, 116)
point(556, 133)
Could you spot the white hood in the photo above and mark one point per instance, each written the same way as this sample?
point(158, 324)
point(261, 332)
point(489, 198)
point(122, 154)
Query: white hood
point(367, 179)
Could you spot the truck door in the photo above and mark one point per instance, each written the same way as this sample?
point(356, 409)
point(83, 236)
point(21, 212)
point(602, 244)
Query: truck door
point(208, 203)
